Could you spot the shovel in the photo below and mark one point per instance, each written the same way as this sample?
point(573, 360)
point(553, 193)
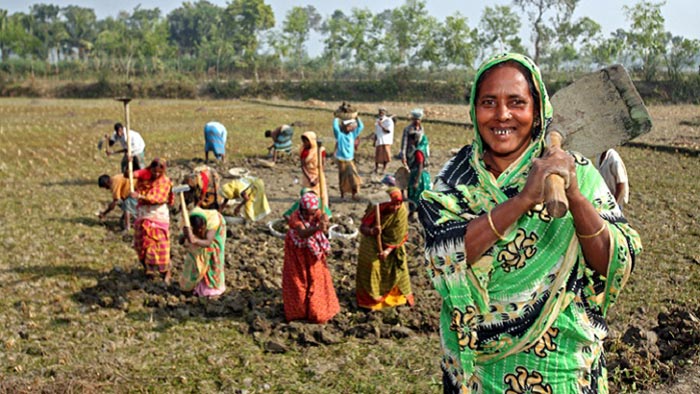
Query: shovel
point(181, 189)
point(321, 175)
point(597, 112)
point(125, 101)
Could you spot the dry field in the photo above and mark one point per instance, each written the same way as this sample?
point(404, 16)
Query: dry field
point(77, 315)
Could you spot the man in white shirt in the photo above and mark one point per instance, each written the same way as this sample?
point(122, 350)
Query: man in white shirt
point(138, 147)
point(613, 170)
point(384, 137)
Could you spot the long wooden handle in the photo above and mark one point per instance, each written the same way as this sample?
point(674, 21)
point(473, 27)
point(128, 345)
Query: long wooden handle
point(185, 215)
point(554, 187)
point(379, 224)
point(321, 180)
point(128, 146)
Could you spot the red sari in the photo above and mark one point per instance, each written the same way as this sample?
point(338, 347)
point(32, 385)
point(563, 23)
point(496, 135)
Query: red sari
point(307, 287)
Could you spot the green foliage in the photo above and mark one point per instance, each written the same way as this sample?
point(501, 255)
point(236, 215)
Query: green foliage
point(296, 29)
point(498, 31)
point(681, 55)
point(646, 37)
point(210, 42)
point(546, 17)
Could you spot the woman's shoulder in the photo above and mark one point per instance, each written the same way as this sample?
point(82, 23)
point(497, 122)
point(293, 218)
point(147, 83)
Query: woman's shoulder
point(458, 170)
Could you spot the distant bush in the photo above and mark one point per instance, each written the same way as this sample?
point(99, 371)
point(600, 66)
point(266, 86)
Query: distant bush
point(394, 86)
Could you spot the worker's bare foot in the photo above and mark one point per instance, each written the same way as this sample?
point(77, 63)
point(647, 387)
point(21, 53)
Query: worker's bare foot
point(168, 278)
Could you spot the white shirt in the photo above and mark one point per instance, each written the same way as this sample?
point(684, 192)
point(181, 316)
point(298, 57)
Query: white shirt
point(613, 171)
point(384, 138)
point(135, 140)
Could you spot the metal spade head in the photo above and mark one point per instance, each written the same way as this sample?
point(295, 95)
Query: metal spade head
point(181, 188)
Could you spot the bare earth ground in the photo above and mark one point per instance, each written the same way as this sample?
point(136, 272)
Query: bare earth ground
point(78, 316)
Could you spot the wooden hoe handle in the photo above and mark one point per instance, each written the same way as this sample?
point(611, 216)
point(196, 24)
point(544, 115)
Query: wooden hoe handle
point(379, 224)
point(185, 215)
point(554, 187)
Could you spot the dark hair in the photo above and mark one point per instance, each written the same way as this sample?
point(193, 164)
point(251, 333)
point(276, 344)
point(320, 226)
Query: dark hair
point(534, 93)
point(268, 133)
point(103, 180)
point(197, 221)
point(117, 126)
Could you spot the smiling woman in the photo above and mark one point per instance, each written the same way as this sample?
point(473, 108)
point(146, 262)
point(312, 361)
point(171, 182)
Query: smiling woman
point(524, 295)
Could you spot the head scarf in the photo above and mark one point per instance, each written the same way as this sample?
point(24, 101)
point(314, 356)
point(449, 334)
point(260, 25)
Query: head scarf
point(159, 161)
point(313, 141)
point(417, 113)
point(516, 173)
point(309, 201)
point(389, 180)
point(395, 194)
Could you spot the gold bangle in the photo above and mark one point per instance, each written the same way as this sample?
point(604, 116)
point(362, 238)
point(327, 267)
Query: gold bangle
point(595, 234)
point(493, 228)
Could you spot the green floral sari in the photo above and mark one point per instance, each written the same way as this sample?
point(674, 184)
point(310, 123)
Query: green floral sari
point(203, 269)
point(529, 315)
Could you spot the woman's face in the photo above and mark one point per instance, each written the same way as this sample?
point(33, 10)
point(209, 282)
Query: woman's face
point(157, 170)
point(394, 206)
point(305, 141)
point(505, 111)
point(199, 231)
point(308, 214)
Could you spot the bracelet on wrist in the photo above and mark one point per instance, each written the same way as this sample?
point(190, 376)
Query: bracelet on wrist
point(493, 227)
point(595, 234)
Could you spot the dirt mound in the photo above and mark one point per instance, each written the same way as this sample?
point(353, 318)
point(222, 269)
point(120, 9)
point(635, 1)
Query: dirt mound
point(253, 280)
point(644, 358)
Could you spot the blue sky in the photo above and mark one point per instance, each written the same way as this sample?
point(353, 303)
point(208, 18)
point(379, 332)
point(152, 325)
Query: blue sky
point(682, 16)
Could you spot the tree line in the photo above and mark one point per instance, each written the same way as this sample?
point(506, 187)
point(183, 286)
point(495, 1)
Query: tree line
point(243, 40)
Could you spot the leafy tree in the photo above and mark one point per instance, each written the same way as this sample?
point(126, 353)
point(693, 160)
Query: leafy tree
point(363, 32)
point(458, 41)
point(410, 32)
point(80, 24)
point(646, 38)
point(149, 32)
point(544, 29)
point(574, 41)
point(113, 45)
point(297, 27)
point(15, 36)
point(46, 26)
point(681, 54)
point(498, 31)
point(608, 50)
point(245, 20)
point(336, 41)
point(192, 24)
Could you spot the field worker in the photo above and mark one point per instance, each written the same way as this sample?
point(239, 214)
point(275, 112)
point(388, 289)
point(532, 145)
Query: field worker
point(382, 276)
point(138, 147)
point(204, 184)
point(307, 287)
point(524, 295)
point(281, 140)
point(417, 154)
point(383, 138)
point(416, 125)
point(251, 190)
point(203, 270)
point(119, 186)
point(214, 140)
point(310, 166)
point(346, 129)
point(614, 173)
point(152, 226)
